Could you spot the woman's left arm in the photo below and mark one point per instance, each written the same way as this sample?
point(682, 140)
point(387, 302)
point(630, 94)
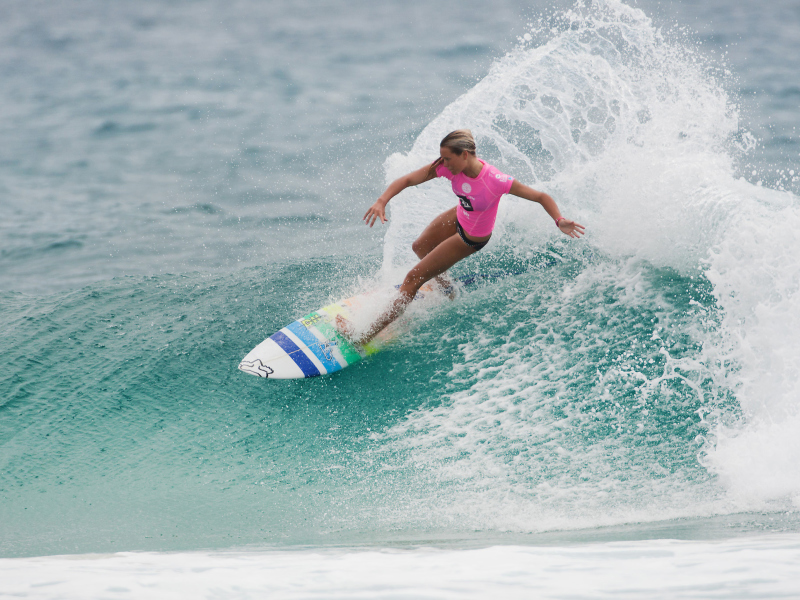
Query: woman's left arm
point(571, 228)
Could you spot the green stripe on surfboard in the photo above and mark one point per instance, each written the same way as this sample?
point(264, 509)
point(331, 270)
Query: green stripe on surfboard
point(317, 320)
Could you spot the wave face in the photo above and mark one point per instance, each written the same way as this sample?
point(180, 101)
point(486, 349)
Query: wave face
point(647, 372)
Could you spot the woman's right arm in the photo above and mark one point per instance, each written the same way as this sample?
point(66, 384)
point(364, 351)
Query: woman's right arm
point(378, 210)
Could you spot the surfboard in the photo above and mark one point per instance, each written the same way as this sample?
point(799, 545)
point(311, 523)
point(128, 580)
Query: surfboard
point(311, 346)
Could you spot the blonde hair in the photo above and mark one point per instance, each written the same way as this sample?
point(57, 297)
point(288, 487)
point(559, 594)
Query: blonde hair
point(458, 141)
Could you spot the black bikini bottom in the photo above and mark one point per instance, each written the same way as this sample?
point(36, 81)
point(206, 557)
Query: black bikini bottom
point(467, 241)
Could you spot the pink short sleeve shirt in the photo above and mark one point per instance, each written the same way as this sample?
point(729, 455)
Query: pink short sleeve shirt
point(479, 197)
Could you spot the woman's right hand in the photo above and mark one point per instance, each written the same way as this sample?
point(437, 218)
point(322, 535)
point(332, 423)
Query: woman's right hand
point(375, 212)
point(378, 210)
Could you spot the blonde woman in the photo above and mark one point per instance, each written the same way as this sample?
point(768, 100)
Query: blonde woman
point(458, 232)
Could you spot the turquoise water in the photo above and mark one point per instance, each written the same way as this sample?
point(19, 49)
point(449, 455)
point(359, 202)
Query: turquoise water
point(180, 180)
point(152, 441)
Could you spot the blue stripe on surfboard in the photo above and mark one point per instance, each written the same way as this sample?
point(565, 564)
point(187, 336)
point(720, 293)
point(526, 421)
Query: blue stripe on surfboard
point(308, 368)
point(310, 340)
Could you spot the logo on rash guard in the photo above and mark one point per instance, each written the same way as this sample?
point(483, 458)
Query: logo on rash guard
point(465, 203)
point(466, 188)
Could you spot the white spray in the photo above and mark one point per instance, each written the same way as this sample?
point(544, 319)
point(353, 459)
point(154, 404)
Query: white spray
point(635, 137)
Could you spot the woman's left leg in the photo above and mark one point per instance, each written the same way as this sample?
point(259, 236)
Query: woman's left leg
point(435, 262)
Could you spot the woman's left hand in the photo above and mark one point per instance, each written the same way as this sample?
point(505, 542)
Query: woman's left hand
point(571, 228)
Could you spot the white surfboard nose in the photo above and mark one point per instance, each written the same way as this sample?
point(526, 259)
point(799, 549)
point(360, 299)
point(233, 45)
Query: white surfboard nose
point(270, 361)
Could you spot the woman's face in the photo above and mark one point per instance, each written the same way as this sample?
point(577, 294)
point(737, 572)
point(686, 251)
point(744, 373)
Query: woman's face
point(455, 163)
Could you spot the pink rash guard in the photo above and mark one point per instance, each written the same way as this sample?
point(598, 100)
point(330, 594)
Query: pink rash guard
point(479, 197)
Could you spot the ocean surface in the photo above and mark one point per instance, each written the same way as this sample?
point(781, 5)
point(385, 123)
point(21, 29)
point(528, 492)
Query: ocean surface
point(615, 416)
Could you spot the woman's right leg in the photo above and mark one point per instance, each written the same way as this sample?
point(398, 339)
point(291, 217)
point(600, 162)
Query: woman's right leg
point(441, 228)
point(436, 262)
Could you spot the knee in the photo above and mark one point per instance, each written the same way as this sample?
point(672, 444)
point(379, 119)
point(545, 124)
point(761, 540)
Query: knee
point(419, 248)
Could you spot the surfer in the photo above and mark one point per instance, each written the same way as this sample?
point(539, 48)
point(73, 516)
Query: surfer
point(458, 232)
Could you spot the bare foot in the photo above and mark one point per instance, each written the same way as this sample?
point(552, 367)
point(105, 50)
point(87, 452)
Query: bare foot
point(345, 328)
